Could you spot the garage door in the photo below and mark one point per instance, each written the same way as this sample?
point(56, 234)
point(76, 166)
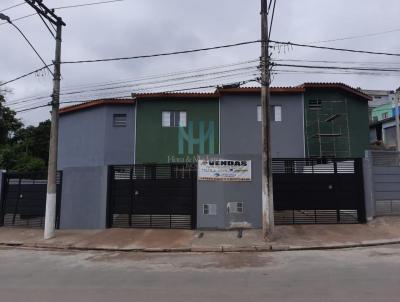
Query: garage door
point(152, 196)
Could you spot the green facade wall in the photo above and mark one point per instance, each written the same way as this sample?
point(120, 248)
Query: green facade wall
point(382, 112)
point(340, 128)
point(157, 144)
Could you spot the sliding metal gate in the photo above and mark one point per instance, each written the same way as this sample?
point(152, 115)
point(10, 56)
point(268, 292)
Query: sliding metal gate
point(318, 191)
point(152, 196)
point(24, 200)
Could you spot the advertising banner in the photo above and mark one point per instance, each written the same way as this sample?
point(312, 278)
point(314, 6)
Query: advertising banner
point(224, 170)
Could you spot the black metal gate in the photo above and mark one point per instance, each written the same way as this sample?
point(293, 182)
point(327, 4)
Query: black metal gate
point(318, 191)
point(24, 200)
point(152, 196)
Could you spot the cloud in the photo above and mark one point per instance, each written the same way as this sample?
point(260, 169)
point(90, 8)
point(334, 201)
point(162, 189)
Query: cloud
point(151, 26)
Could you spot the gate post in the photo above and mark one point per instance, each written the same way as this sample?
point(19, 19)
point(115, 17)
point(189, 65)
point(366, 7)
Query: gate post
point(110, 173)
point(2, 195)
point(362, 217)
point(370, 203)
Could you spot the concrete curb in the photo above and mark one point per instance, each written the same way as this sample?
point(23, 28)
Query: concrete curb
point(205, 249)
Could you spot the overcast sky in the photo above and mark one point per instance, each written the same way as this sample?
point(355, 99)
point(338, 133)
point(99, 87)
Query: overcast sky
point(136, 27)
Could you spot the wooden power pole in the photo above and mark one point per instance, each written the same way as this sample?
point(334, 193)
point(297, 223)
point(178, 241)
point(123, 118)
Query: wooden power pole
point(267, 188)
point(51, 197)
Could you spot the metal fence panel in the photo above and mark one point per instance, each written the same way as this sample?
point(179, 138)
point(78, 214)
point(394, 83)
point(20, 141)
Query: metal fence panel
point(24, 200)
point(153, 196)
point(318, 191)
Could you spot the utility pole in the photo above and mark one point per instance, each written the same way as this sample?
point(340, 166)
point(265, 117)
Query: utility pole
point(267, 188)
point(51, 197)
point(397, 118)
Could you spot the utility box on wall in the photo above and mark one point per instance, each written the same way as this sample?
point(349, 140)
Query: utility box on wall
point(229, 198)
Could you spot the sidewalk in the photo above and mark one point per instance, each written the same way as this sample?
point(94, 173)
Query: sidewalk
point(299, 237)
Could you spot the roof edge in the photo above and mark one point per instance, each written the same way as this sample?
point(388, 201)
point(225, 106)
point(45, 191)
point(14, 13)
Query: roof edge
point(96, 103)
point(359, 93)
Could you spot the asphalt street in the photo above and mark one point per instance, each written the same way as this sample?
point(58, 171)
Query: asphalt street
point(368, 274)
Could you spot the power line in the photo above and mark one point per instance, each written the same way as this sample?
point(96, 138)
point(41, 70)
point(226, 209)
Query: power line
point(45, 23)
point(186, 89)
point(10, 7)
point(139, 81)
point(25, 75)
point(272, 19)
point(336, 49)
point(65, 7)
point(165, 53)
point(338, 67)
point(357, 36)
point(141, 87)
point(339, 62)
point(32, 108)
point(145, 56)
point(31, 45)
point(20, 18)
point(87, 4)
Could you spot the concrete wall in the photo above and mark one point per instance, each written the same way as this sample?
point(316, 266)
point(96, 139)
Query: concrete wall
point(241, 132)
point(220, 193)
point(88, 138)
point(84, 198)
point(382, 183)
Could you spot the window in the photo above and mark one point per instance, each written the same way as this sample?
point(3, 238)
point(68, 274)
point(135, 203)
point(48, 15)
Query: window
point(276, 112)
point(315, 104)
point(174, 119)
point(235, 207)
point(119, 120)
point(210, 209)
point(259, 117)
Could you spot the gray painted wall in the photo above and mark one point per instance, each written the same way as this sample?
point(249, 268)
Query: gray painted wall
point(84, 198)
point(220, 193)
point(88, 138)
point(241, 132)
point(382, 182)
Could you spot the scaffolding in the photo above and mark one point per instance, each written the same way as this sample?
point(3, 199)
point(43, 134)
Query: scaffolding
point(327, 129)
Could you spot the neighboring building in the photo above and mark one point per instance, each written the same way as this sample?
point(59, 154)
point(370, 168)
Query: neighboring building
point(311, 120)
point(383, 112)
point(383, 133)
point(380, 97)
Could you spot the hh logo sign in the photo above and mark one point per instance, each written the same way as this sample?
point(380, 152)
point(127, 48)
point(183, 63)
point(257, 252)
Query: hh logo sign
point(204, 137)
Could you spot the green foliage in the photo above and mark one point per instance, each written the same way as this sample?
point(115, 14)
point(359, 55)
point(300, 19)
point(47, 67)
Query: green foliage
point(9, 124)
point(22, 149)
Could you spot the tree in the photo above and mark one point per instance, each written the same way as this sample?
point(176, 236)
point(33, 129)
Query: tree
point(22, 149)
point(34, 141)
point(9, 124)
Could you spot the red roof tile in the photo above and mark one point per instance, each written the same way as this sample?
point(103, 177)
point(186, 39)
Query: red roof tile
point(175, 95)
point(274, 90)
point(96, 103)
point(336, 86)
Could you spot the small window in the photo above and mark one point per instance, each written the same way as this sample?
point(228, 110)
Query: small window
point(315, 104)
point(174, 119)
point(210, 209)
point(119, 120)
point(259, 116)
point(277, 111)
point(235, 208)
